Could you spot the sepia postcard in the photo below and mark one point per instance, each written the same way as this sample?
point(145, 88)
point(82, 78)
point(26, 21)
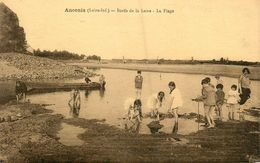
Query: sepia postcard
point(129, 81)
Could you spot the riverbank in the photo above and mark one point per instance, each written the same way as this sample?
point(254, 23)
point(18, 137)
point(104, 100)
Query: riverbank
point(28, 67)
point(207, 69)
point(33, 138)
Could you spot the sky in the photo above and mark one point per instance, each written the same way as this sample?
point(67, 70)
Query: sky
point(203, 29)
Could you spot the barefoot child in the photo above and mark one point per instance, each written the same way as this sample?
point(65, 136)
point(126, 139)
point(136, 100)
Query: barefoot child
point(220, 96)
point(232, 101)
point(175, 104)
point(74, 102)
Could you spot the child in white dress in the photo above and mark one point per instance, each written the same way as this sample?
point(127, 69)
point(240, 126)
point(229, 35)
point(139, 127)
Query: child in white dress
point(232, 101)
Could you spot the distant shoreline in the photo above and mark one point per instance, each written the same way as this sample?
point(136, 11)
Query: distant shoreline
point(233, 71)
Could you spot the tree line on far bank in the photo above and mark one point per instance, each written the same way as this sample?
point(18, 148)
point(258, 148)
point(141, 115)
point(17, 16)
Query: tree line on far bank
point(64, 55)
point(192, 61)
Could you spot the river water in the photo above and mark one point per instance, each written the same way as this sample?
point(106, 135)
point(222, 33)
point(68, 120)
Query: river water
point(109, 104)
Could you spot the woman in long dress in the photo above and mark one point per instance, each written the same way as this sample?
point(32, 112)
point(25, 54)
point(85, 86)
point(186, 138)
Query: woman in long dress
point(244, 86)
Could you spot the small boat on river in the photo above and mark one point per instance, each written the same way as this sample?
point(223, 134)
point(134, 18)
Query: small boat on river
point(53, 87)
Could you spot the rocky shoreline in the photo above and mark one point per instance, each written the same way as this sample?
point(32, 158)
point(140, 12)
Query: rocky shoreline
point(28, 67)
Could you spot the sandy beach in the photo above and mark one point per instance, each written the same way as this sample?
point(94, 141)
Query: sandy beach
point(207, 69)
point(33, 138)
point(29, 133)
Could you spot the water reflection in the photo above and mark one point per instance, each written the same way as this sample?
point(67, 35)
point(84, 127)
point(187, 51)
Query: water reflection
point(102, 92)
point(87, 92)
point(74, 111)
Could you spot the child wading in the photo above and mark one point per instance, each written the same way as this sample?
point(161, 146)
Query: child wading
point(232, 101)
point(209, 100)
point(220, 97)
point(155, 103)
point(175, 104)
point(74, 102)
point(138, 85)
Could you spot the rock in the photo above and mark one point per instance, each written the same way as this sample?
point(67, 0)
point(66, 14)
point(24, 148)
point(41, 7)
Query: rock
point(14, 118)
point(154, 126)
point(7, 118)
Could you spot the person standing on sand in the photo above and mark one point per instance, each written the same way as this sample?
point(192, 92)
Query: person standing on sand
point(138, 85)
point(232, 101)
point(244, 86)
point(220, 97)
point(175, 104)
point(20, 91)
point(209, 100)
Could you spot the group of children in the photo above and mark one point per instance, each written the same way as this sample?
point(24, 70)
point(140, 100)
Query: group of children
point(212, 97)
point(214, 100)
point(155, 102)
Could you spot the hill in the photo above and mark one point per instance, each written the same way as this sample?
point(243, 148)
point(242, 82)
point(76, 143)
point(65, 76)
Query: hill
point(12, 36)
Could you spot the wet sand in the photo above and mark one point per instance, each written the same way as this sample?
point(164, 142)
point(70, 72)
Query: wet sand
point(207, 69)
point(34, 139)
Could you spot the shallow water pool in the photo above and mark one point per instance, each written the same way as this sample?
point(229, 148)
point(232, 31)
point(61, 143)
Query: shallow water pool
point(108, 104)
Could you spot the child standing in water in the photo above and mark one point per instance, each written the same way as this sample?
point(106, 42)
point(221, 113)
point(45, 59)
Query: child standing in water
point(232, 101)
point(138, 84)
point(220, 96)
point(75, 101)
